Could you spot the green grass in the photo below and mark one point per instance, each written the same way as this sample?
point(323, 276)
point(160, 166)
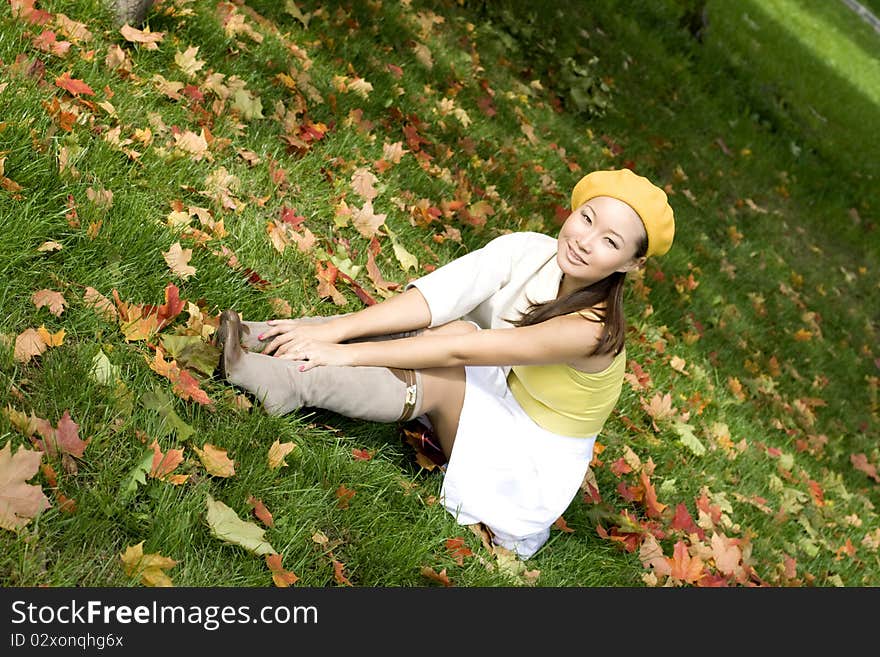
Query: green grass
point(776, 234)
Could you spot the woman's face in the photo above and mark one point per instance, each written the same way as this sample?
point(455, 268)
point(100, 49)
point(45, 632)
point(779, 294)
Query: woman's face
point(599, 238)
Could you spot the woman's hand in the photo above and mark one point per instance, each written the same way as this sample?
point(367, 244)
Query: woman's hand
point(288, 331)
point(315, 353)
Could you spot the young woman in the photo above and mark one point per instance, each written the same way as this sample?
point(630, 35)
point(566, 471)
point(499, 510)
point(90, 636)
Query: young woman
point(514, 353)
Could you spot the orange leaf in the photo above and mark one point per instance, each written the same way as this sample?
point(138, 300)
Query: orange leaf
point(102, 305)
point(339, 574)
point(164, 464)
point(654, 508)
point(561, 525)
point(684, 567)
point(73, 86)
point(51, 339)
point(343, 495)
point(458, 550)
point(149, 39)
point(282, 578)
point(361, 454)
point(260, 511)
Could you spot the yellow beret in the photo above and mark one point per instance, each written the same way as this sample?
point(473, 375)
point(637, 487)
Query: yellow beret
point(643, 196)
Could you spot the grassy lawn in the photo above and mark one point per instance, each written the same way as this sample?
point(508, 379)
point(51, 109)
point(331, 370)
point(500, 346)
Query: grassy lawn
point(239, 155)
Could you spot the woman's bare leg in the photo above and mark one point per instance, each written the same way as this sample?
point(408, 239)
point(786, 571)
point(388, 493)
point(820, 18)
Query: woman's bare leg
point(443, 391)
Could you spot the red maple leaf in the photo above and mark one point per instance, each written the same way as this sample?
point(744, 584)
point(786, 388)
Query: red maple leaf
point(63, 439)
point(683, 521)
point(73, 86)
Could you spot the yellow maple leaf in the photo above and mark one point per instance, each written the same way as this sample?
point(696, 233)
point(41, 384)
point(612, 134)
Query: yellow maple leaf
point(277, 452)
point(149, 567)
point(215, 460)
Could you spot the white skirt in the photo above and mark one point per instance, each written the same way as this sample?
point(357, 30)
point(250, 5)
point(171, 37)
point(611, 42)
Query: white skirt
point(506, 471)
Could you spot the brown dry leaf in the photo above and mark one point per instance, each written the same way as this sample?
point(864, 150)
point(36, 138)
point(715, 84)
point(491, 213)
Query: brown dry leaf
point(145, 37)
point(28, 344)
point(49, 246)
point(363, 183)
point(19, 501)
point(178, 260)
point(215, 460)
point(366, 220)
point(102, 305)
point(45, 297)
point(194, 144)
point(440, 577)
point(393, 152)
point(659, 408)
point(277, 452)
point(149, 567)
point(281, 307)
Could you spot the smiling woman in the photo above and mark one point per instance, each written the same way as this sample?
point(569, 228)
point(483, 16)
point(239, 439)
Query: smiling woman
point(514, 354)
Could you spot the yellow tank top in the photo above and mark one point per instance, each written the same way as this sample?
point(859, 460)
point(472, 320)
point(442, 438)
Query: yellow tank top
point(567, 401)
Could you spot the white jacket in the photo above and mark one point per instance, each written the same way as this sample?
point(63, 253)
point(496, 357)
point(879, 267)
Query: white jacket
point(495, 282)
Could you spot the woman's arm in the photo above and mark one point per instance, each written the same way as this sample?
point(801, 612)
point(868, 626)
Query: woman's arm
point(403, 312)
point(556, 340)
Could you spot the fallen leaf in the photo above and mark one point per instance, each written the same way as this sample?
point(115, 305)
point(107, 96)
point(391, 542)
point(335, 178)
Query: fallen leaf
point(277, 452)
point(225, 525)
point(149, 567)
point(343, 495)
point(62, 439)
point(282, 578)
point(440, 577)
point(187, 61)
point(684, 567)
point(339, 573)
point(260, 511)
point(27, 345)
point(366, 220)
point(102, 305)
point(145, 37)
point(458, 550)
point(73, 86)
point(178, 260)
point(164, 464)
point(51, 339)
point(215, 460)
point(20, 502)
point(651, 556)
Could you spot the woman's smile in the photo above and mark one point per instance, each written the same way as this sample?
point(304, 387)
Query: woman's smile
point(574, 258)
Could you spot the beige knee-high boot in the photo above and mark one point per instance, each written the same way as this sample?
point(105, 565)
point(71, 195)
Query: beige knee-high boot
point(380, 394)
point(250, 332)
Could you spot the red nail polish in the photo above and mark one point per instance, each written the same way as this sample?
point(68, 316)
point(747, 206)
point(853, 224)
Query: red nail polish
point(302, 368)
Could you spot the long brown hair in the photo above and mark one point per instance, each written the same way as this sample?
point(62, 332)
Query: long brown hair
point(609, 290)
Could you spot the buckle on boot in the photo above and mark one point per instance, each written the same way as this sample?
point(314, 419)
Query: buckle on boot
point(409, 402)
